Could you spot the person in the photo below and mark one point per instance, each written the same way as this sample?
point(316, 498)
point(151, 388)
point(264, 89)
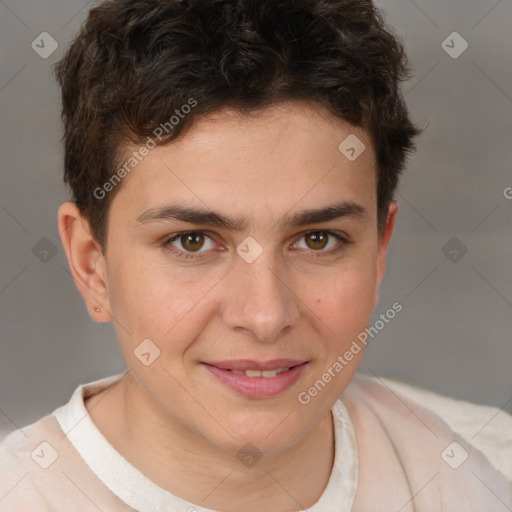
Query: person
point(232, 165)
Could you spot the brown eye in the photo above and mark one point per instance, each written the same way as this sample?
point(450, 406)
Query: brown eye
point(192, 241)
point(189, 241)
point(316, 240)
point(323, 243)
point(190, 244)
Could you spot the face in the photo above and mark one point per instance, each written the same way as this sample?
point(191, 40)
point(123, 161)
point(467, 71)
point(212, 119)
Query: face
point(249, 244)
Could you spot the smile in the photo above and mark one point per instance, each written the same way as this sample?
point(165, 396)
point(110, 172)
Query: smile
point(257, 380)
point(262, 373)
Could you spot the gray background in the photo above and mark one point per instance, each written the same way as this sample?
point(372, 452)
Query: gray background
point(454, 333)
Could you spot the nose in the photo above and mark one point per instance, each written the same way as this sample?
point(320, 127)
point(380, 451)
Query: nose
point(259, 302)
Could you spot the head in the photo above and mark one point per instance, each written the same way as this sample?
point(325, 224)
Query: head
point(275, 130)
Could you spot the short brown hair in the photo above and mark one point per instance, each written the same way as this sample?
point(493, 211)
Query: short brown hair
point(135, 62)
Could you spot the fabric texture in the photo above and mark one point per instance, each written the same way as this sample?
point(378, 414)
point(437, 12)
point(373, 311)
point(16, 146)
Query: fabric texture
point(392, 452)
point(487, 428)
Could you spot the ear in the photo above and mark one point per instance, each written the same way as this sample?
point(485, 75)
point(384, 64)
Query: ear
point(86, 261)
point(383, 247)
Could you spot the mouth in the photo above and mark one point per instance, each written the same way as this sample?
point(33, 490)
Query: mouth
point(261, 373)
point(257, 379)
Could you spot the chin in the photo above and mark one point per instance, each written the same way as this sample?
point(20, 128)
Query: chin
point(269, 433)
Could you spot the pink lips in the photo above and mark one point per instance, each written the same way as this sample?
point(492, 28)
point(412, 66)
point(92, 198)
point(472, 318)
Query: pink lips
point(257, 387)
point(248, 364)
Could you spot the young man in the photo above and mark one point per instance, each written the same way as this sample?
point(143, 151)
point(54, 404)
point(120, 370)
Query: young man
point(233, 165)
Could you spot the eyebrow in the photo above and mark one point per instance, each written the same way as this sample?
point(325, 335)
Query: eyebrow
point(344, 209)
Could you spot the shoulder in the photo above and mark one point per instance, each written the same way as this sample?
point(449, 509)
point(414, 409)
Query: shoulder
point(42, 471)
point(404, 442)
point(25, 455)
point(487, 428)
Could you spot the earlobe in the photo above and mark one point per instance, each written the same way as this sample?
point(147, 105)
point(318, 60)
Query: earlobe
point(85, 260)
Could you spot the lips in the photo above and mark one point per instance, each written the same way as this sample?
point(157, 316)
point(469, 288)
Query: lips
point(248, 364)
point(255, 379)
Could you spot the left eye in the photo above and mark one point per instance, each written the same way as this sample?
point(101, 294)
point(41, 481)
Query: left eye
point(191, 241)
point(319, 240)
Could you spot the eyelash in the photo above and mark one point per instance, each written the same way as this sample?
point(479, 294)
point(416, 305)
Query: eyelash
point(191, 255)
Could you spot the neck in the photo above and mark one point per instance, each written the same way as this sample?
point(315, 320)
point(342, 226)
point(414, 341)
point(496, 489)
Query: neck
point(190, 467)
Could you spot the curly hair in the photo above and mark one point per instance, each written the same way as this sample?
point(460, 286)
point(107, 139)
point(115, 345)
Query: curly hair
point(134, 63)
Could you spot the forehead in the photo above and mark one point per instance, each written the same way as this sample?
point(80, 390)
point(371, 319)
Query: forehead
point(274, 158)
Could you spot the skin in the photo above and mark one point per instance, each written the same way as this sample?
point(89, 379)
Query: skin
point(172, 419)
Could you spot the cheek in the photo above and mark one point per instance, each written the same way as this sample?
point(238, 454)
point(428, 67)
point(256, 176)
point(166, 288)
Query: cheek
point(346, 291)
point(343, 303)
point(155, 303)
